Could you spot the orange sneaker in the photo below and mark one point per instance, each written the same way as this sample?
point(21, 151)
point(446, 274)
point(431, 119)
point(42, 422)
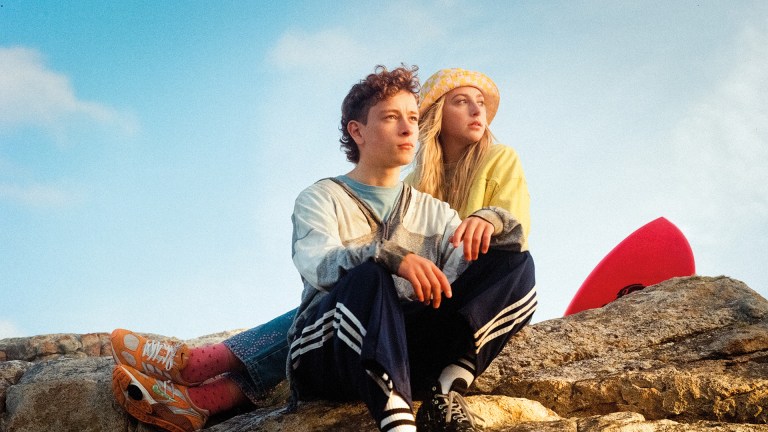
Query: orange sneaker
point(158, 359)
point(160, 403)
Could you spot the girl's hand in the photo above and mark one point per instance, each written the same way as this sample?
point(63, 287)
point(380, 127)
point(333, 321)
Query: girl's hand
point(475, 233)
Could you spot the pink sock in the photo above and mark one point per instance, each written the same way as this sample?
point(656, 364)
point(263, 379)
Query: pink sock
point(209, 361)
point(217, 396)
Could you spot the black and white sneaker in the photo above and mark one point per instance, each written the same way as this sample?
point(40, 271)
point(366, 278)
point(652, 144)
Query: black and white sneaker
point(445, 413)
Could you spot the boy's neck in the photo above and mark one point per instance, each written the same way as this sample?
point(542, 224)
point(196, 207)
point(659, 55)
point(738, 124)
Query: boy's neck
point(384, 177)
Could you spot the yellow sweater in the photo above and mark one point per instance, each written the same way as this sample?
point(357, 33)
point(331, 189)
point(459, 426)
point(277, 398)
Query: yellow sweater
point(500, 182)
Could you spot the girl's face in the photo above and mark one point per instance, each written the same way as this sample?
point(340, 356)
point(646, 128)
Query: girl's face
point(464, 117)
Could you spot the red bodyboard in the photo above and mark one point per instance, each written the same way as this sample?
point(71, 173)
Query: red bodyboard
point(654, 253)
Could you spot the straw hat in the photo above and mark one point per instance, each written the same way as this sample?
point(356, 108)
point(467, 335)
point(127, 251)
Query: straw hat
point(446, 80)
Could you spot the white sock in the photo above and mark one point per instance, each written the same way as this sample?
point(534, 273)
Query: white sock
point(398, 416)
point(463, 369)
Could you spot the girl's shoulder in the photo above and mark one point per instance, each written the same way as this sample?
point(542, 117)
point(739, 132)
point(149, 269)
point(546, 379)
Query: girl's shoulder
point(497, 151)
point(500, 156)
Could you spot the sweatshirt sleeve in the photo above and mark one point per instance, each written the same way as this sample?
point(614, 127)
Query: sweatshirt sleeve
point(318, 251)
point(508, 189)
point(508, 235)
point(507, 231)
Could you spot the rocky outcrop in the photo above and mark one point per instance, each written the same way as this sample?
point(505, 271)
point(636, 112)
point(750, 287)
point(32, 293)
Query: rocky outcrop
point(688, 349)
point(690, 354)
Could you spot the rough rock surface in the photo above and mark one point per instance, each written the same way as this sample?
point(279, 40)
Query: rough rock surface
point(689, 354)
point(688, 349)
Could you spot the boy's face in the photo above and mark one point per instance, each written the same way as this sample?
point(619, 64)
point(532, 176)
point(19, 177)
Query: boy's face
point(388, 140)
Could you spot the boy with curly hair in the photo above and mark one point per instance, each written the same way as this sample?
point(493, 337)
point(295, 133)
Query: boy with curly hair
point(400, 296)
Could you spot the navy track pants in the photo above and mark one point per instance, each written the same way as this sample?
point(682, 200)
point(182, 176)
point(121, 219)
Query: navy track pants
point(363, 341)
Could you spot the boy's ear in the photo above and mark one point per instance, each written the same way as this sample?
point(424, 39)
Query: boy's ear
point(353, 128)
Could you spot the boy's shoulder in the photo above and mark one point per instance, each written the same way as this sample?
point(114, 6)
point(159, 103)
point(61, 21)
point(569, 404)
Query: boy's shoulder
point(324, 184)
point(425, 204)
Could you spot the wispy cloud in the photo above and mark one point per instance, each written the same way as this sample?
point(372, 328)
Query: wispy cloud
point(329, 50)
point(724, 139)
point(8, 330)
point(398, 37)
point(40, 195)
point(33, 95)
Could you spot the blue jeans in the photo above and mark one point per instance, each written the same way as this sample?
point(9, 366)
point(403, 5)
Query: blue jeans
point(263, 350)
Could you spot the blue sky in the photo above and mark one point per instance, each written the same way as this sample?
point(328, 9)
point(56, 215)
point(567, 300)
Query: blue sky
point(150, 152)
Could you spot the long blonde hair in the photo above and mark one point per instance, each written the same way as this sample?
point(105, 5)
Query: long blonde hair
point(429, 170)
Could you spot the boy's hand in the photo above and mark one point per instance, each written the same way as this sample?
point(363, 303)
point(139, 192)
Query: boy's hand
point(475, 233)
point(429, 282)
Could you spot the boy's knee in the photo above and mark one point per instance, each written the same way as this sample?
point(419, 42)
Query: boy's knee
point(369, 270)
point(367, 277)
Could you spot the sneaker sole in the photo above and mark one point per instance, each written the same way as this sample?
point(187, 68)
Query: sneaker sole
point(142, 409)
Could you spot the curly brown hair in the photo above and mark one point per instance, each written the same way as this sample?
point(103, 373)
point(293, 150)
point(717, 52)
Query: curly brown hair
point(379, 85)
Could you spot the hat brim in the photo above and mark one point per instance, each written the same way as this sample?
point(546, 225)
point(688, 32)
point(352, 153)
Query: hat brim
point(445, 80)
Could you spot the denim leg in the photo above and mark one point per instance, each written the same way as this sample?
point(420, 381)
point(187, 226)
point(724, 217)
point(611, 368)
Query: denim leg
point(263, 350)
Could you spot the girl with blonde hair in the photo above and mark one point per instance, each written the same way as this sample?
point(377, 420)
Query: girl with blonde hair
point(459, 160)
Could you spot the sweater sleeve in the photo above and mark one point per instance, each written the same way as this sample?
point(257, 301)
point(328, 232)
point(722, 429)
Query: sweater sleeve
point(508, 235)
point(507, 188)
point(318, 252)
point(507, 230)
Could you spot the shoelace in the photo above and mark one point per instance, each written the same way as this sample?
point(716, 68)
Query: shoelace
point(166, 389)
point(153, 351)
point(168, 385)
point(172, 393)
point(458, 409)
